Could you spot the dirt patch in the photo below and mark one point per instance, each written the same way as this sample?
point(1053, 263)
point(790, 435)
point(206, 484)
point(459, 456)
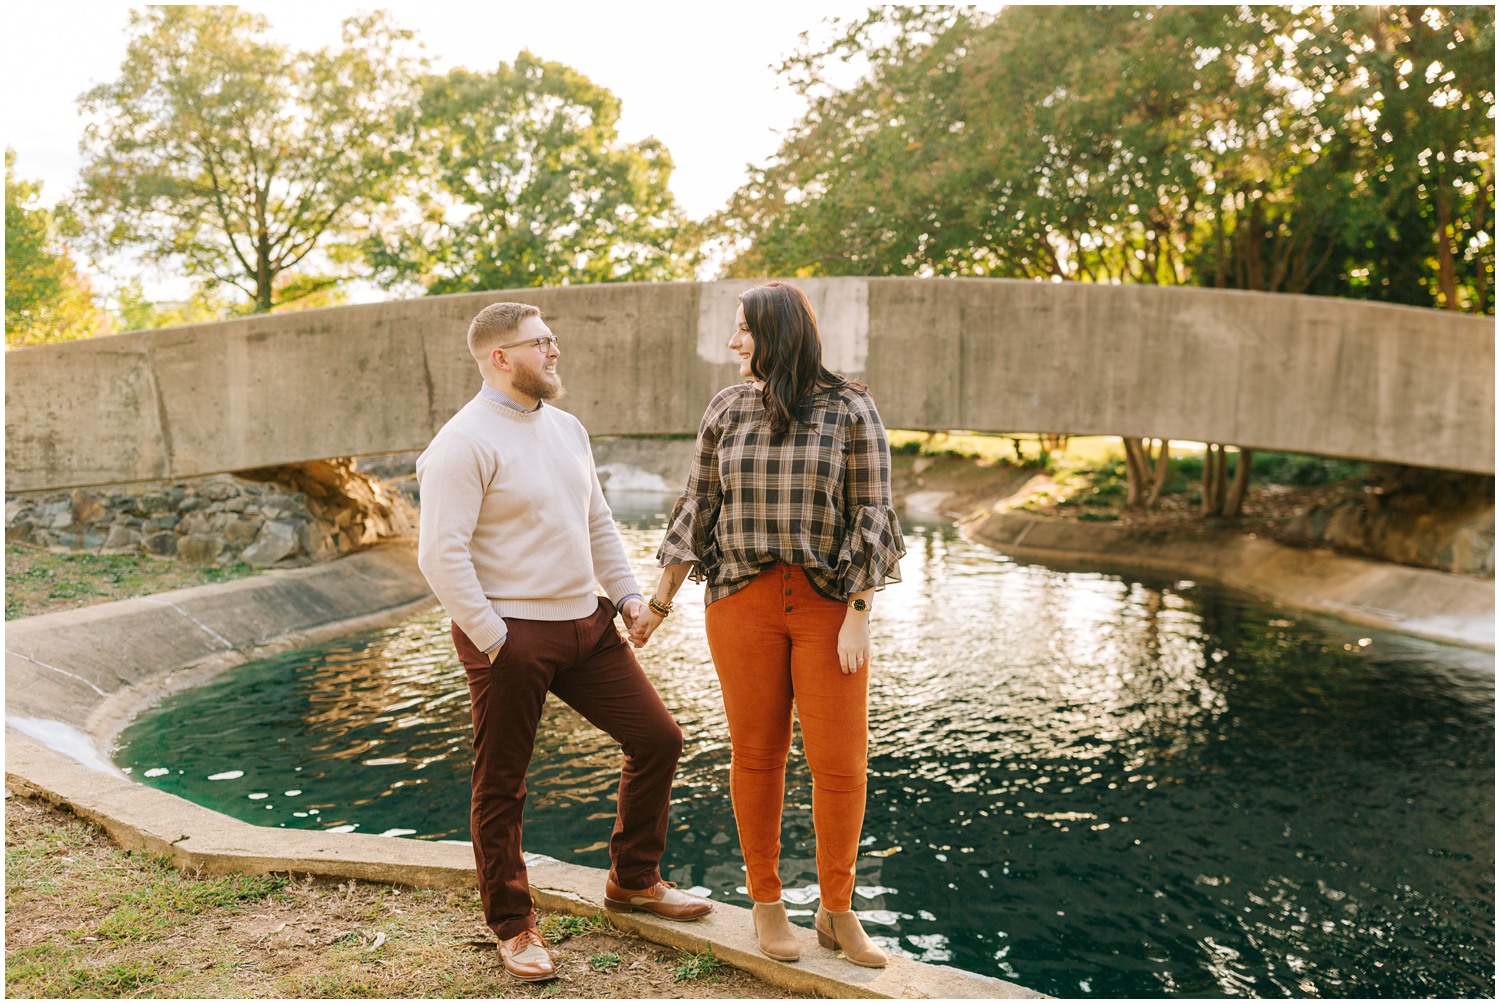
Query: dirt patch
point(959, 486)
point(84, 918)
point(954, 486)
point(1266, 511)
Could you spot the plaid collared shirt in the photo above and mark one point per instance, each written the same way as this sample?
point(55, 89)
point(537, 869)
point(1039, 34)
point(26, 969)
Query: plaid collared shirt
point(820, 498)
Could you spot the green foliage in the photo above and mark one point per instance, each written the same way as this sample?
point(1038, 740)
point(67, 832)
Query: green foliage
point(156, 899)
point(1301, 470)
point(31, 574)
point(235, 159)
point(561, 927)
point(909, 448)
point(1028, 451)
point(692, 966)
point(46, 298)
point(603, 962)
point(1186, 469)
point(1101, 486)
point(289, 292)
point(529, 185)
point(1332, 150)
point(226, 573)
point(122, 979)
point(166, 896)
point(137, 313)
point(1298, 470)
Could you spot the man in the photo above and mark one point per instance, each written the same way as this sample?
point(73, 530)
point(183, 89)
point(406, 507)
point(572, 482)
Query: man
point(514, 534)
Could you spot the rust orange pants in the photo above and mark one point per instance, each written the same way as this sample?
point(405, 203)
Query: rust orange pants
point(775, 645)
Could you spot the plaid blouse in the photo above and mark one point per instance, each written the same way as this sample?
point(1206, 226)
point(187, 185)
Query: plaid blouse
point(819, 499)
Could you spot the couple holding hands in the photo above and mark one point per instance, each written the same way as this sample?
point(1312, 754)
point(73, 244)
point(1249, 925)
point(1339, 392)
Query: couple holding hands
point(787, 517)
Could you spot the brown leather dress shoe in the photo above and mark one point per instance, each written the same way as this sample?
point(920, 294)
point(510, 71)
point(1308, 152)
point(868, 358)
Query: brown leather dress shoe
point(663, 899)
point(525, 957)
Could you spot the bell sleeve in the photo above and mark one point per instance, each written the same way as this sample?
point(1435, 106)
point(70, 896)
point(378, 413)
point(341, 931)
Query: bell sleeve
point(690, 535)
point(873, 547)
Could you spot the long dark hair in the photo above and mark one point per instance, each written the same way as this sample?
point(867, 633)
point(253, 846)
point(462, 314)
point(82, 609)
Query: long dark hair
point(788, 356)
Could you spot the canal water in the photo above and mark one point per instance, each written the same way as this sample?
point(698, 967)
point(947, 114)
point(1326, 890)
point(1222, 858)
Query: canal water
point(1090, 784)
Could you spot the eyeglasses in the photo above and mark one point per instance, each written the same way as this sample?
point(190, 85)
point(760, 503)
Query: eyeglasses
point(543, 343)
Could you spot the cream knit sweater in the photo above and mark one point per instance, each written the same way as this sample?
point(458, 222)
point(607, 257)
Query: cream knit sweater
point(514, 523)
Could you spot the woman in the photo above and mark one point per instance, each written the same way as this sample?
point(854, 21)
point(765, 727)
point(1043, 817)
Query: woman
point(787, 514)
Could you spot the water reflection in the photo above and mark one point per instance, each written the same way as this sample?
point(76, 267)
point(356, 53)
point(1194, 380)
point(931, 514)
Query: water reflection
point(1088, 784)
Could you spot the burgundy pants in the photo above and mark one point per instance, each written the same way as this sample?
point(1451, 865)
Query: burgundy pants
point(587, 664)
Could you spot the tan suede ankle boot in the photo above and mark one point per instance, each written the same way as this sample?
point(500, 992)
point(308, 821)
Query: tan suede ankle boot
point(774, 932)
point(843, 931)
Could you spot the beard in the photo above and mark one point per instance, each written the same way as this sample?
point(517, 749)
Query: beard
point(531, 381)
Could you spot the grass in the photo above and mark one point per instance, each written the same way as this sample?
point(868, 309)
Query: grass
point(1086, 481)
point(121, 903)
point(560, 928)
point(691, 966)
point(1021, 450)
point(38, 581)
point(1102, 484)
point(1104, 455)
point(86, 919)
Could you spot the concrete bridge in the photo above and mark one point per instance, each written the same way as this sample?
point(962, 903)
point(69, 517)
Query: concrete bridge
point(1314, 375)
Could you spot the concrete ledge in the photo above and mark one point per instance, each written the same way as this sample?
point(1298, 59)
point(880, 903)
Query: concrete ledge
point(74, 679)
point(192, 837)
point(1439, 606)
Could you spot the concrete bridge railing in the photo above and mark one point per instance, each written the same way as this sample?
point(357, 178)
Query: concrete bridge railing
point(1305, 374)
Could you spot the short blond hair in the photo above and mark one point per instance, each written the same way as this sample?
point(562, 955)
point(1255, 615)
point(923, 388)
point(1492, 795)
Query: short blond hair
point(494, 322)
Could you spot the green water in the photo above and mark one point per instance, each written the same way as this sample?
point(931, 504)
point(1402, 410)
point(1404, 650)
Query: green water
point(1090, 785)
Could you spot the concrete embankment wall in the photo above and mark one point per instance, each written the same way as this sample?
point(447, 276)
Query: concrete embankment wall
point(1439, 606)
point(1306, 374)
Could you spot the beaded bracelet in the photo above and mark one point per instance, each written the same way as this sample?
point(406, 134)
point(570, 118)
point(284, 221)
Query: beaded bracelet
point(659, 608)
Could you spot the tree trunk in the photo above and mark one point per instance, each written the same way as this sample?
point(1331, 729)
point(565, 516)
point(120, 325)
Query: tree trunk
point(1481, 288)
point(1135, 471)
point(1210, 486)
point(1236, 497)
point(1214, 480)
point(263, 274)
point(1220, 479)
point(1144, 477)
point(1447, 270)
point(1159, 476)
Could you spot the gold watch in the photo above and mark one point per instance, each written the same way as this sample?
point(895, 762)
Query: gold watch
point(860, 605)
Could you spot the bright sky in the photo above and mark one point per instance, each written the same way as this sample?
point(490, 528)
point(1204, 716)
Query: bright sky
point(695, 75)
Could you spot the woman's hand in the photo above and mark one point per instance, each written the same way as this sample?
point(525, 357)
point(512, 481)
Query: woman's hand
point(854, 642)
point(640, 632)
point(649, 620)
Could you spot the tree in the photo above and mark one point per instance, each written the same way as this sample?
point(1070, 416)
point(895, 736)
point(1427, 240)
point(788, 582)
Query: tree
point(46, 298)
point(139, 313)
point(531, 187)
point(1330, 150)
point(1433, 140)
point(1271, 148)
point(237, 159)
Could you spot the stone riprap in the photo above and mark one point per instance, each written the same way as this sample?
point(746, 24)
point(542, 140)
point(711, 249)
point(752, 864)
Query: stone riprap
point(213, 521)
point(217, 520)
point(1437, 519)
